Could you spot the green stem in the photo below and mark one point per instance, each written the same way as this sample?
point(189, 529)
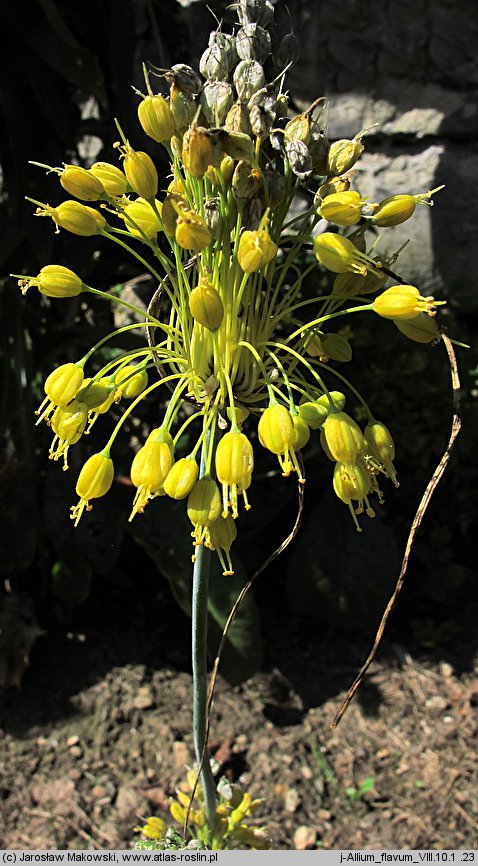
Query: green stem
point(199, 660)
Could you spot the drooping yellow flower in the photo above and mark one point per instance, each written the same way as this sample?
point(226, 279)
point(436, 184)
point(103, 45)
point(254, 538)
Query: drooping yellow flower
point(204, 507)
point(113, 180)
point(352, 484)
point(130, 381)
point(94, 480)
point(74, 217)
point(342, 208)
point(150, 468)
point(343, 437)
point(81, 183)
point(222, 534)
point(381, 447)
point(141, 219)
point(339, 255)
point(256, 249)
point(181, 478)
point(61, 387)
point(54, 281)
point(68, 424)
point(276, 433)
point(234, 465)
point(156, 119)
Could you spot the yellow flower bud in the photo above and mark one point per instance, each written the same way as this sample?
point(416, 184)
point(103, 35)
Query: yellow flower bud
point(342, 208)
point(192, 232)
point(112, 178)
point(54, 281)
point(149, 470)
point(156, 118)
point(131, 381)
point(276, 433)
point(234, 465)
point(339, 255)
point(81, 183)
point(344, 154)
point(222, 534)
point(312, 413)
point(343, 437)
point(394, 210)
point(256, 249)
point(74, 217)
point(141, 220)
point(403, 302)
point(421, 329)
point(204, 507)
point(140, 172)
point(352, 483)
point(206, 305)
point(222, 174)
point(181, 478)
point(301, 432)
point(94, 480)
point(332, 401)
point(198, 151)
point(63, 384)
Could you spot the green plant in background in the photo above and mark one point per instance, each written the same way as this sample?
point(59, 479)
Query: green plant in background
point(228, 330)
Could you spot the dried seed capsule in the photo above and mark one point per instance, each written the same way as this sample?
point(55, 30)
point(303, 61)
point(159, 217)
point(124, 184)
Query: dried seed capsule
point(227, 43)
point(112, 178)
point(246, 181)
point(181, 478)
point(403, 302)
point(141, 219)
point(54, 281)
point(156, 118)
point(198, 151)
point(257, 11)
point(287, 52)
point(253, 43)
point(237, 119)
point(299, 158)
point(212, 215)
point(214, 63)
point(216, 100)
point(248, 78)
point(206, 306)
point(184, 78)
point(262, 121)
point(94, 481)
point(319, 147)
point(81, 183)
point(421, 329)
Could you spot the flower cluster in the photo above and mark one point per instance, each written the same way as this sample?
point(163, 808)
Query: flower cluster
point(219, 238)
point(233, 826)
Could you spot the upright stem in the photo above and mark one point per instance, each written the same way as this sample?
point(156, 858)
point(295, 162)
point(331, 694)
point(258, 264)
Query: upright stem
point(199, 660)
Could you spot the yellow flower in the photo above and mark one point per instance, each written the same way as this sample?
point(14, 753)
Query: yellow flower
point(343, 437)
point(198, 151)
point(150, 468)
point(352, 483)
point(343, 154)
point(156, 119)
point(155, 828)
point(112, 178)
point(181, 478)
point(141, 219)
point(94, 480)
point(234, 465)
point(394, 210)
point(301, 432)
point(222, 533)
point(54, 281)
point(381, 447)
point(342, 208)
point(75, 217)
point(61, 386)
point(204, 507)
point(276, 433)
point(256, 249)
point(81, 183)
point(403, 302)
point(339, 255)
point(192, 232)
point(140, 172)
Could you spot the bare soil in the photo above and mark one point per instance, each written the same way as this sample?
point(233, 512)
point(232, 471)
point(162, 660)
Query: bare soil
point(99, 736)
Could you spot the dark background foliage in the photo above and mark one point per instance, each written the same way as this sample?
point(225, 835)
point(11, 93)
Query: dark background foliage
point(66, 73)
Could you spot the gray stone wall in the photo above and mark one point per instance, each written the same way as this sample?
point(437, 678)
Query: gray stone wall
point(411, 66)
